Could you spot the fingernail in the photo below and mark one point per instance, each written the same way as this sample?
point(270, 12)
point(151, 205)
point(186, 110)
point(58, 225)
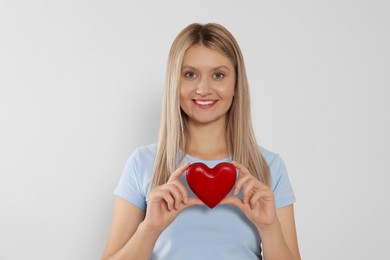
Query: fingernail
point(185, 200)
point(235, 191)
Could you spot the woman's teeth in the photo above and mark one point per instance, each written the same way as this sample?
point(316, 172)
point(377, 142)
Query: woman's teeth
point(204, 103)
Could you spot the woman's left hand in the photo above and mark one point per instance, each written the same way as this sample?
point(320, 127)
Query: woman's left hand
point(257, 201)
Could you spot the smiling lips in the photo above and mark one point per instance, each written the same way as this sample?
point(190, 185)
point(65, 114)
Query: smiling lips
point(204, 103)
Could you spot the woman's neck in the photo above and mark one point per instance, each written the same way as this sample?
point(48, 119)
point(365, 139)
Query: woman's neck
point(207, 141)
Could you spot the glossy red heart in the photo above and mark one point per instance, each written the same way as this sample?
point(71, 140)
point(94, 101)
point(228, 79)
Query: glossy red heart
point(211, 185)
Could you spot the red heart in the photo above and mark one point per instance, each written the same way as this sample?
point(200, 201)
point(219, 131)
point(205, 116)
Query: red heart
point(211, 185)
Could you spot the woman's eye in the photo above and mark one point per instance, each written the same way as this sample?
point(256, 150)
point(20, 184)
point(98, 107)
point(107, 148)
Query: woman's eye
point(219, 76)
point(190, 74)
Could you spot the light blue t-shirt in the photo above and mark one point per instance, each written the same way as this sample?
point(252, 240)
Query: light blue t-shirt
point(199, 232)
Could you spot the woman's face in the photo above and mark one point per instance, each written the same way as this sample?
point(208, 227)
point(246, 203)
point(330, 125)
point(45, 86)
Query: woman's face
point(207, 84)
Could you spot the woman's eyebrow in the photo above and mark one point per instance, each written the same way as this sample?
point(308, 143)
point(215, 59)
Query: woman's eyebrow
point(222, 67)
point(187, 67)
point(216, 68)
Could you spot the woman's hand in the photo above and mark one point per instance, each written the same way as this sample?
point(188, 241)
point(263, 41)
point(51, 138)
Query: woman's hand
point(167, 201)
point(257, 201)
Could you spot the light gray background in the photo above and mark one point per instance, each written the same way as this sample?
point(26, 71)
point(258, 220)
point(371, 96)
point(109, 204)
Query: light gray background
point(81, 86)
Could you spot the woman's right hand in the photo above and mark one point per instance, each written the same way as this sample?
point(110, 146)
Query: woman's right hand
point(167, 201)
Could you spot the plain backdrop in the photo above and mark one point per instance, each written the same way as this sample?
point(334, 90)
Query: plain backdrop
point(81, 85)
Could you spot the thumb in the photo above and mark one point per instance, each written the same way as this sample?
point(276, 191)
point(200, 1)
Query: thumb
point(192, 202)
point(176, 174)
point(232, 200)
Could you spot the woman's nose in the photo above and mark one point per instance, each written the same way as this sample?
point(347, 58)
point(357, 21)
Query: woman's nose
point(203, 88)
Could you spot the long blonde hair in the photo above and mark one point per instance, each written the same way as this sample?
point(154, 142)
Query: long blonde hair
point(241, 141)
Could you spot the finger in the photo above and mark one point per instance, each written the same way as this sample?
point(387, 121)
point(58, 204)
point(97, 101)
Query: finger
point(261, 194)
point(175, 178)
point(191, 202)
point(255, 199)
point(244, 176)
point(246, 191)
point(175, 193)
point(167, 197)
point(240, 182)
point(241, 168)
point(179, 171)
point(232, 200)
point(183, 190)
point(262, 185)
point(194, 201)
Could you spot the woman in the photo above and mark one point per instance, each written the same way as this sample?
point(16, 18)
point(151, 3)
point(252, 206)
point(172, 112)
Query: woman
point(205, 118)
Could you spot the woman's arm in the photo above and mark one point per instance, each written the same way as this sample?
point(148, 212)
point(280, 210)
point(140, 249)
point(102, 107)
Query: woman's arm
point(127, 237)
point(280, 239)
point(133, 233)
point(276, 226)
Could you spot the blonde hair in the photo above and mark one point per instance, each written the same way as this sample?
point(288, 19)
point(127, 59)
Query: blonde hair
point(241, 141)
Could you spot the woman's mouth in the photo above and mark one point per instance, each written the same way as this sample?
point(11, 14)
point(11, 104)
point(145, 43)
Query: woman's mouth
point(204, 103)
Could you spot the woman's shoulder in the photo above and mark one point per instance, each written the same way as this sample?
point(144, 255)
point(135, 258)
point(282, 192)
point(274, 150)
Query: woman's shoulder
point(148, 150)
point(281, 186)
point(270, 157)
point(144, 154)
point(275, 163)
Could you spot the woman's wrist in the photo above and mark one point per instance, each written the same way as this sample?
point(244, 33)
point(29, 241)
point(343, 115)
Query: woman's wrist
point(149, 230)
point(269, 228)
point(273, 242)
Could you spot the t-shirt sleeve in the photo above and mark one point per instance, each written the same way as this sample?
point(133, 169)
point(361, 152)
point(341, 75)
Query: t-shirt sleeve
point(284, 194)
point(129, 186)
